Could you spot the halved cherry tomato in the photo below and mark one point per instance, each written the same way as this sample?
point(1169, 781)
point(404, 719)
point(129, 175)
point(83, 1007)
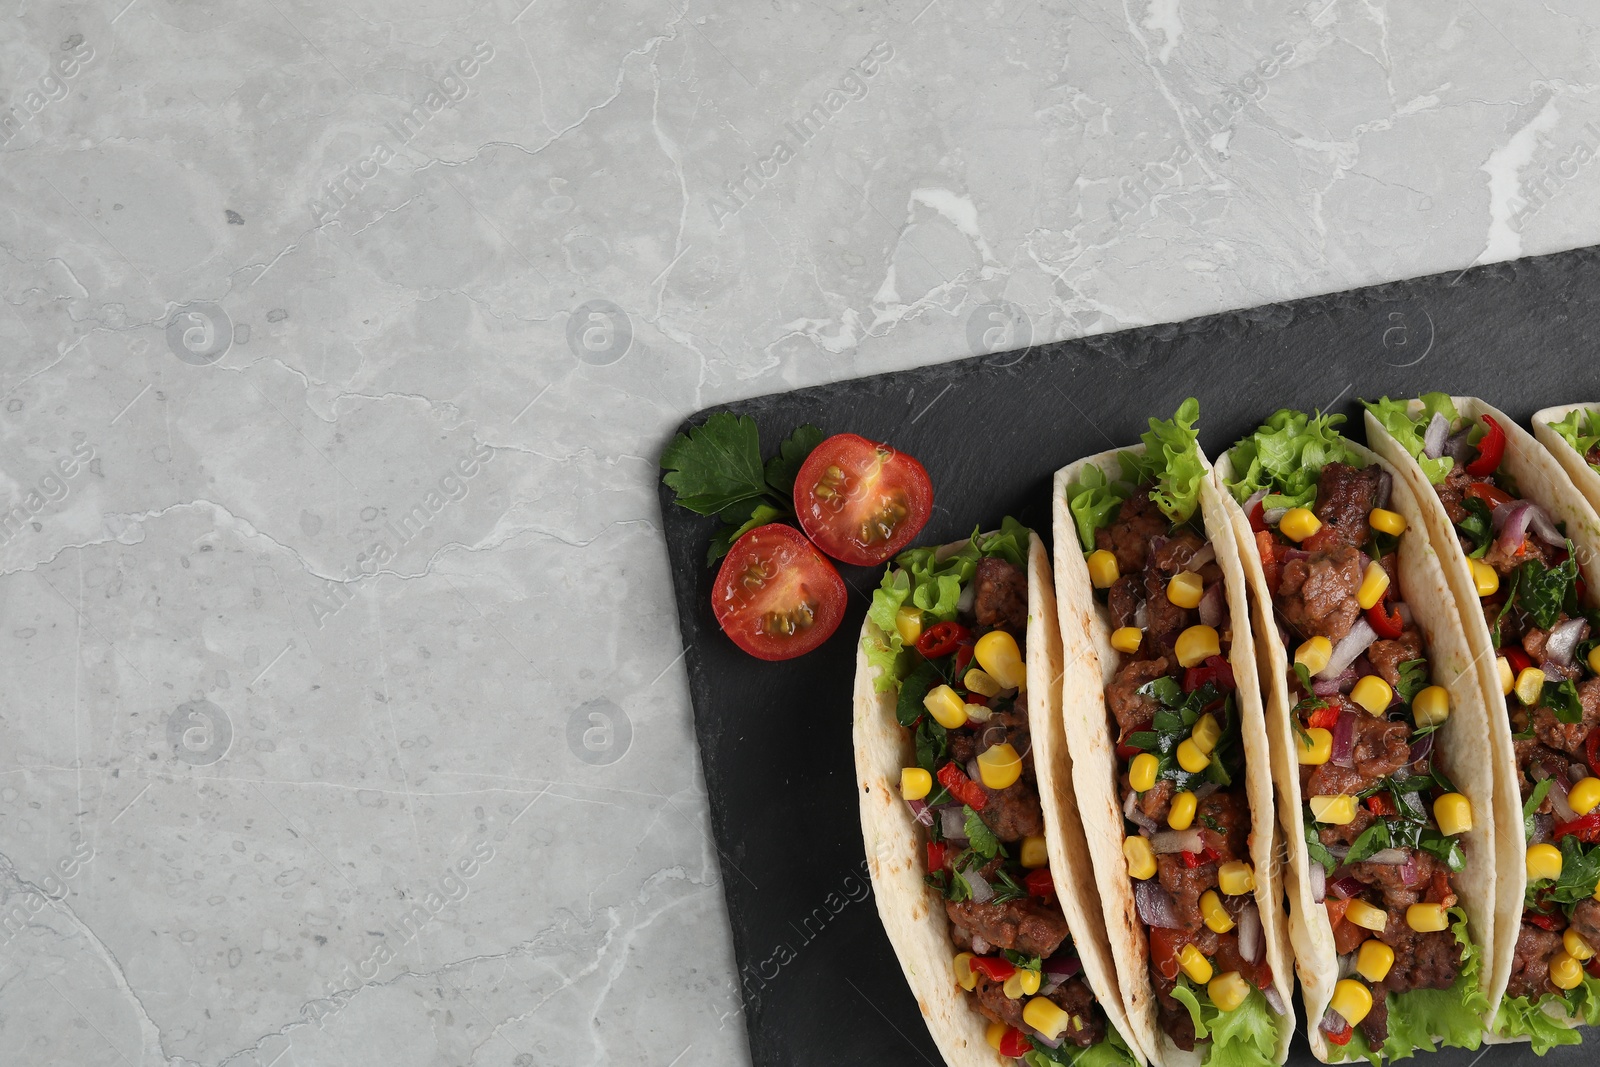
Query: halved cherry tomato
point(1164, 948)
point(1518, 659)
point(1323, 718)
point(937, 851)
point(1341, 1036)
point(994, 968)
point(1322, 540)
point(942, 638)
point(1385, 618)
point(1040, 884)
point(775, 595)
point(1258, 516)
point(962, 788)
point(1491, 495)
point(861, 501)
point(1267, 549)
point(1015, 1044)
point(1490, 449)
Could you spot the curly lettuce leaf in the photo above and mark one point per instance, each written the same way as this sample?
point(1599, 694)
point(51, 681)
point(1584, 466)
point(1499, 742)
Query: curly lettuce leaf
point(1112, 1051)
point(1285, 457)
point(1417, 1018)
point(1093, 498)
point(1581, 430)
point(1394, 415)
point(1247, 1036)
point(919, 578)
point(1171, 460)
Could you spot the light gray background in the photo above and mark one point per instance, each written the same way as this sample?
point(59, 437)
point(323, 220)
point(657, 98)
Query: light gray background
point(237, 748)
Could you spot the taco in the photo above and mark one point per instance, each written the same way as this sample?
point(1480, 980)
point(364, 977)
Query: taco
point(1377, 729)
point(1170, 762)
point(1572, 434)
point(972, 835)
point(1519, 546)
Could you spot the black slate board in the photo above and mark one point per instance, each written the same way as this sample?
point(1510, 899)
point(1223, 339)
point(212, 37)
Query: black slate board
point(821, 985)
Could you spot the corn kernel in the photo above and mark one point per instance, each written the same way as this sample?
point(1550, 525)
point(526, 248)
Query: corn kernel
point(1576, 946)
point(1373, 585)
point(947, 709)
point(1315, 746)
point(1186, 589)
point(1043, 1015)
point(1388, 522)
point(1141, 859)
point(1484, 578)
point(999, 765)
point(1565, 972)
point(1195, 965)
point(1508, 681)
point(1431, 707)
point(1103, 570)
point(1351, 1000)
point(1453, 813)
point(1236, 878)
point(1190, 758)
point(995, 1033)
point(1530, 684)
point(966, 977)
point(980, 682)
point(1585, 795)
point(1030, 982)
point(1013, 985)
point(1206, 733)
point(1142, 772)
point(1543, 861)
point(1427, 918)
point(1127, 639)
point(1182, 811)
point(1314, 653)
point(1215, 915)
point(1335, 811)
point(1298, 524)
point(1228, 991)
point(997, 653)
point(1366, 916)
point(908, 621)
point(1373, 693)
point(1594, 659)
point(1374, 960)
point(1195, 644)
point(1034, 854)
point(915, 783)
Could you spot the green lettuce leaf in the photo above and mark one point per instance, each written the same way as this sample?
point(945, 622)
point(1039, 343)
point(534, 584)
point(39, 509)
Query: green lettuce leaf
point(1417, 1018)
point(1172, 461)
point(1112, 1051)
point(1394, 417)
point(1093, 498)
point(1581, 430)
point(1285, 456)
point(934, 585)
point(1526, 1017)
point(1247, 1036)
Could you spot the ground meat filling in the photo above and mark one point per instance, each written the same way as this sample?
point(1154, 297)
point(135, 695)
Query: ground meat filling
point(1000, 596)
point(1530, 962)
point(1024, 926)
point(1085, 1027)
point(1128, 537)
point(1346, 495)
point(1317, 594)
point(1133, 710)
point(1570, 737)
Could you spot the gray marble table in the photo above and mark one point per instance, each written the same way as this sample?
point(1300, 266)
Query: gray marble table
point(344, 717)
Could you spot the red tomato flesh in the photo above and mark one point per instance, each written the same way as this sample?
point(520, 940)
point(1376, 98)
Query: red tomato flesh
point(775, 595)
point(861, 501)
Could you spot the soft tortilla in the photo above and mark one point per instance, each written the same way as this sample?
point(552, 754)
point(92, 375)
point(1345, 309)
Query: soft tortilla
point(1583, 476)
point(1458, 746)
point(913, 914)
point(1540, 479)
point(1090, 664)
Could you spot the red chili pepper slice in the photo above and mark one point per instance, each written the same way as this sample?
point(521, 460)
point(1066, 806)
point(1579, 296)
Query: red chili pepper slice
point(1216, 669)
point(937, 851)
point(1591, 749)
point(1518, 659)
point(1323, 718)
point(1491, 495)
point(1127, 752)
point(1585, 828)
point(1258, 516)
point(976, 698)
point(994, 968)
point(1490, 450)
point(962, 788)
point(1015, 1044)
point(963, 658)
point(1191, 859)
point(1385, 618)
point(942, 638)
point(1040, 884)
point(1542, 921)
point(1210, 855)
point(1340, 1037)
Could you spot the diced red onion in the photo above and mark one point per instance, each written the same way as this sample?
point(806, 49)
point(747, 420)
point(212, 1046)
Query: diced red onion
point(1130, 809)
point(1357, 641)
point(1250, 941)
point(1347, 965)
point(1408, 870)
point(1050, 984)
point(1421, 750)
point(1255, 498)
point(982, 891)
point(1344, 888)
point(1511, 524)
point(1289, 554)
point(1558, 800)
point(1543, 827)
point(1577, 772)
point(1338, 852)
point(1272, 516)
point(1319, 882)
point(1204, 555)
point(1053, 1042)
point(1455, 446)
point(1380, 499)
point(1155, 905)
point(954, 823)
point(1333, 1022)
point(1274, 1001)
point(972, 769)
point(1065, 964)
point(1211, 606)
point(1404, 611)
point(980, 947)
point(1434, 436)
point(921, 812)
point(1389, 857)
point(1169, 841)
point(1344, 739)
point(1545, 530)
point(1563, 640)
point(1333, 685)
